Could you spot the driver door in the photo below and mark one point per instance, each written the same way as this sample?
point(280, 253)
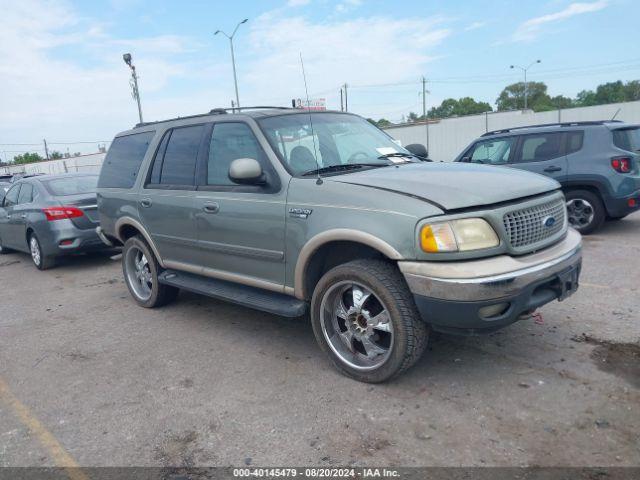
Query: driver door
point(9, 221)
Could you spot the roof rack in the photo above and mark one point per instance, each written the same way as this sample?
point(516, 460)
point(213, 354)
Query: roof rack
point(562, 124)
point(215, 111)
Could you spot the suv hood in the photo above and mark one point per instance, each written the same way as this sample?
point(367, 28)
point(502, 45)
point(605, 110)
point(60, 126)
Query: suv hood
point(451, 186)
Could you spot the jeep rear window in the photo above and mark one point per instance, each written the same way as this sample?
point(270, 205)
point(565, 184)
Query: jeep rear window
point(627, 139)
point(121, 165)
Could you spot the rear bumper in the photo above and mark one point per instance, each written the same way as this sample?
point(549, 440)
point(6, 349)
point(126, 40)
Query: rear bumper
point(67, 239)
point(485, 295)
point(619, 206)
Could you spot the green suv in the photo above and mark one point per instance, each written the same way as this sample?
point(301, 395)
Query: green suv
point(291, 212)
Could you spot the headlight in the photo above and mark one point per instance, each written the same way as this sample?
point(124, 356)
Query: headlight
point(458, 236)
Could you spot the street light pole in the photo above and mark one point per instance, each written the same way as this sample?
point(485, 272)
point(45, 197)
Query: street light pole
point(233, 58)
point(135, 92)
point(524, 69)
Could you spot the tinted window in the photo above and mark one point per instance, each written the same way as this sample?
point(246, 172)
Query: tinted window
point(12, 196)
point(537, 148)
point(495, 152)
point(179, 162)
point(71, 185)
point(627, 139)
point(26, 193)
point(574, 141)
point(229, 141)
point(123, 160)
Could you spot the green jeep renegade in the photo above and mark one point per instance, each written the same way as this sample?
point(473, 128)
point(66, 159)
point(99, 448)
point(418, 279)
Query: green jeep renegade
point(289, 211)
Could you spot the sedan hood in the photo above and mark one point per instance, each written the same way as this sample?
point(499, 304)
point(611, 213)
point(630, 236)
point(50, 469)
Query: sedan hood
point(451, 186)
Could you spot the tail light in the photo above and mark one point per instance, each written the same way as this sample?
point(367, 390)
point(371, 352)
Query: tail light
point(621, 164)
point(60, 213)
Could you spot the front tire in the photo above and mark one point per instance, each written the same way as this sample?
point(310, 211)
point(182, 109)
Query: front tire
point(4, 250)
point(364, 317)
point(141, 270)
point(40, 260)
point(585, 211)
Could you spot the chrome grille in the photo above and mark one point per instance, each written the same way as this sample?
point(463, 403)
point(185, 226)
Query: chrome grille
point(527, 226)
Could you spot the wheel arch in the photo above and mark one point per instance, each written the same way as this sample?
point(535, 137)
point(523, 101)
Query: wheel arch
point(127, 227)
point(334, 247)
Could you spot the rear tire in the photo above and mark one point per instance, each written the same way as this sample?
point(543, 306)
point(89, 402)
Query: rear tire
point(585, 210)
point(347, 310)
point(40, 260)
point(141, 269)
point(4, 250)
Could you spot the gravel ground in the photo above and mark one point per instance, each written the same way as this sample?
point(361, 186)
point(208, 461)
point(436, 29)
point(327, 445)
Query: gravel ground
point(202, 382)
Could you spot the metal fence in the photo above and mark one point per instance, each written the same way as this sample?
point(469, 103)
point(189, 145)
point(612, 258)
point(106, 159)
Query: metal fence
point(448, 137)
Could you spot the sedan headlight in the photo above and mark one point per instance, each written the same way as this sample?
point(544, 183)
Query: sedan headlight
point(458, 236)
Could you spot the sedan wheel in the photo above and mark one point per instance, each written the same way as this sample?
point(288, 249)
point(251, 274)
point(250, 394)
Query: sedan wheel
point(40, 260)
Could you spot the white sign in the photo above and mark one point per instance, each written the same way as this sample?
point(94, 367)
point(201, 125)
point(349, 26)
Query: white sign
point(311, 104)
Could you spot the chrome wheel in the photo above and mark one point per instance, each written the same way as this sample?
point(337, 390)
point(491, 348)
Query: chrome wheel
point(139, 273)
point(34, 247)
point(356, 325)
point(580, 212)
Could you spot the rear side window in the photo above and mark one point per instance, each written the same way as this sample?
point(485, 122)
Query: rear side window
point(538, 148)
point(71, 185)
point(175, 162)
point(26, 193)
point(122, 163)
point(574, 141)
point(627, 139)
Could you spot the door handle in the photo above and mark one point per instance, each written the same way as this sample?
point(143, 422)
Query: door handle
point(211, 207)
point(146, 202)
point(552, 168)
point(24, 215)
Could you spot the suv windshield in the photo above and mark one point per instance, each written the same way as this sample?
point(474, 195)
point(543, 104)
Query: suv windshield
point(627, 139)
point(307, 142)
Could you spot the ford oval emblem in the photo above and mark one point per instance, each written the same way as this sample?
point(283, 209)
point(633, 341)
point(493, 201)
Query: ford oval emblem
point(549, 222)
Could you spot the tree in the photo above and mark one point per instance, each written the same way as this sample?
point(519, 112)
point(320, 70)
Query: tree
point(383, 122)
point(611, 92)
point(451, 107)
point(27, 158)
point(512, 97)
point(55, 155)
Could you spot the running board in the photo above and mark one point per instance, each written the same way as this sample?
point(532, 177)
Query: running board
point(257, 298)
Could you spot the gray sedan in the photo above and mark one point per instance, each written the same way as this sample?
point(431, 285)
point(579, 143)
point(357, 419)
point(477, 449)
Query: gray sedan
point(49, 216)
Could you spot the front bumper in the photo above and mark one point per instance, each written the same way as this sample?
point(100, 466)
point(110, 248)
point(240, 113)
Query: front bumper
point(487, 294)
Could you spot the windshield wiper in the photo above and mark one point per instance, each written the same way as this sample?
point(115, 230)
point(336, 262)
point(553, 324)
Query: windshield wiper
point(397, 154)
point(342, 167)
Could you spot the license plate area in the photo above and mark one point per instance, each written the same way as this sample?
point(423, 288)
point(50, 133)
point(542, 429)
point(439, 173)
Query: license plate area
point(567, 282)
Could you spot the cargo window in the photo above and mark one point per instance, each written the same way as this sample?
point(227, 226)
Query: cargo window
point(540, 147)
point(180, 157)
point(627, 139)
point(122, 163)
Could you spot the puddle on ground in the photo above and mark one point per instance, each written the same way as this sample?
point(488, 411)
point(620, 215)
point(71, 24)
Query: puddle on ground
point(619, 359)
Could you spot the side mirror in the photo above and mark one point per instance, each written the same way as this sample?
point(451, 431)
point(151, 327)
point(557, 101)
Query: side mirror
point(247, 171)
point(465, 159)
point(418, 150)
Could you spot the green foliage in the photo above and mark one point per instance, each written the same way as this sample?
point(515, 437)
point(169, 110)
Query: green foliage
point(612, 92)
point(27, 158)
point(55, 155)
point(383, 122)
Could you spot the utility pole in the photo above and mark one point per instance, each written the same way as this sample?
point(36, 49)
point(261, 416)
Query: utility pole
point(46, 149)
point(233, 58)
point(424, 109)
point(346, 99)
point(233, 106)
point(341, 101)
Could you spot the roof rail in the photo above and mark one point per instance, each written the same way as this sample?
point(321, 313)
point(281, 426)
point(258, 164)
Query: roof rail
point(557, 124)
point(215, 111)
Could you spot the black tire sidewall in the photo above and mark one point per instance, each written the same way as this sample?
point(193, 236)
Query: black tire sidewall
point(399, 312)
point(599, 213)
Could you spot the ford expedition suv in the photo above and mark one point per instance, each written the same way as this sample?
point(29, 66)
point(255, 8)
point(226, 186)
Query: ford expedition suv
point(292, 212)
point(597, 163)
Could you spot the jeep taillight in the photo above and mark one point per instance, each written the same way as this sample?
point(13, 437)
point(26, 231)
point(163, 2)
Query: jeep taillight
point(60, 213)
point(621, 164)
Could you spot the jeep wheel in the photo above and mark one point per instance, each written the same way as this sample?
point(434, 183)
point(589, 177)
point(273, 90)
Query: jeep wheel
point(141, 270)
point(585, 211)
point(364, 317)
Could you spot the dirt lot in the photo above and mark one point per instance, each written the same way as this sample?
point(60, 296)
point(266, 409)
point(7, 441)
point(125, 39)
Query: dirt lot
point(87, 376)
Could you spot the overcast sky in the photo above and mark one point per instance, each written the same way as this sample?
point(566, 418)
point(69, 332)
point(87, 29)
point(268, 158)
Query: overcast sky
point(62, 76)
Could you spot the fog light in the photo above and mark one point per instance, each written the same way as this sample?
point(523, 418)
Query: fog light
point(632, 202)
point(493, 310)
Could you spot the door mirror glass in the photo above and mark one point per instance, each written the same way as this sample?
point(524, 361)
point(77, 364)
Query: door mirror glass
point(418, 149)
point(247, 171)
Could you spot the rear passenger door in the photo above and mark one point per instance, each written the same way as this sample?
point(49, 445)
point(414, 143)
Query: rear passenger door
point(542, 153)
point(21, 212)
point(240, 227)
point(167, 200)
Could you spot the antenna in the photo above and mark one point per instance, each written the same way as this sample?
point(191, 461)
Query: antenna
point(313, 136)
point(616, 114)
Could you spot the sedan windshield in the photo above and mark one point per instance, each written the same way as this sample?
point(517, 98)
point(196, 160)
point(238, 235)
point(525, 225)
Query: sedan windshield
point(307, 142)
